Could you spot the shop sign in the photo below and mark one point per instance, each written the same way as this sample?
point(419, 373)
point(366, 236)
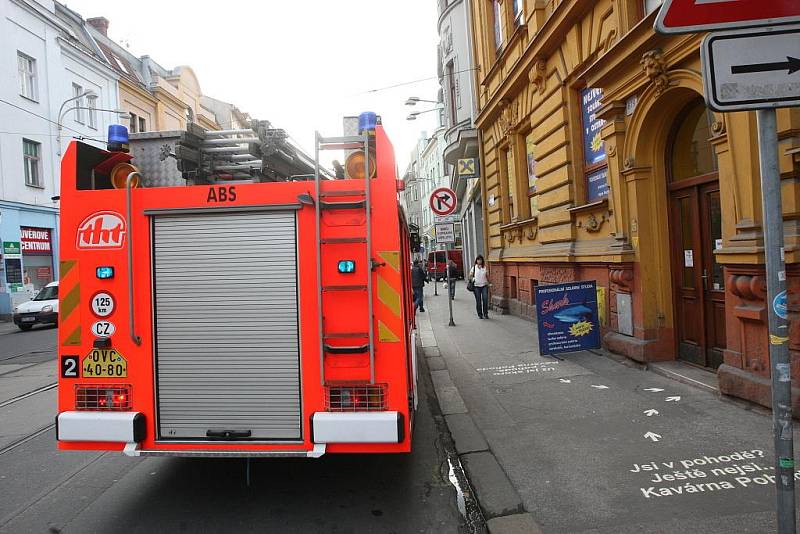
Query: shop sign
point(11, 249)
point(467, 167)
point(597, 184)
point(36, 241)
point(44, 273)
point(594, 149)
point(568, 318)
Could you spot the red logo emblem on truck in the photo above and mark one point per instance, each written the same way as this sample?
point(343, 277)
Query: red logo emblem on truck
point(102, 230)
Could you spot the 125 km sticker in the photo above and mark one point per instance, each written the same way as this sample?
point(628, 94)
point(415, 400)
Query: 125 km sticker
point(104, 363)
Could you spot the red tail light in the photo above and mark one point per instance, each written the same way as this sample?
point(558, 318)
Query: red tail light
point(355, 398)
point(112, 398)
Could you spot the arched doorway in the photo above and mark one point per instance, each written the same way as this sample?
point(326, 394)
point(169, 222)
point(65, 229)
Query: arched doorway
point(695, 220)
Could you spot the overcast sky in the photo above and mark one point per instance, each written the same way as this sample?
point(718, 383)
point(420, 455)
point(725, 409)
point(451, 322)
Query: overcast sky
point(300, 64)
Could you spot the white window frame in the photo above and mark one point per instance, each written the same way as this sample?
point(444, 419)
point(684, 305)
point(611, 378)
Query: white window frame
point(91, 103)
point(28, 83)
point(518, 9)
point(78, 103)
point(32, 163)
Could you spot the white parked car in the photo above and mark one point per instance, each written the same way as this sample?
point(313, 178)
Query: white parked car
point(43, 309)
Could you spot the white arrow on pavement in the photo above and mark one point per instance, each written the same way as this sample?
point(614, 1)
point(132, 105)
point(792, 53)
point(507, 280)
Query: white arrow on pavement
point(654, 390)
point(565, 381)
point(599, 386)
point(651, 412)
point(653, 436)
point(672, 399)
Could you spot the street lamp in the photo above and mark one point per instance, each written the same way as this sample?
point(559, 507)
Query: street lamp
point(412, 101)
point(123, 115)
point(413, 115)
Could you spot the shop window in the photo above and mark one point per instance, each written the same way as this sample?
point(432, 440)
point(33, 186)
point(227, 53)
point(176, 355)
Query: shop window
point(27, 77)
point(594, 151)
point(692, 153)
point(530, 153)
point(32, 161)
point(37, 257)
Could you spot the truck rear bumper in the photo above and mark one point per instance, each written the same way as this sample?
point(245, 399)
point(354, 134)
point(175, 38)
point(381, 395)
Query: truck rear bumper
point(357, 427)
point(132, 449)
point(124, 427)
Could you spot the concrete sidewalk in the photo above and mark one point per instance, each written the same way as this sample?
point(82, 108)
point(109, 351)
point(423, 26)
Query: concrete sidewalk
point(587, 444)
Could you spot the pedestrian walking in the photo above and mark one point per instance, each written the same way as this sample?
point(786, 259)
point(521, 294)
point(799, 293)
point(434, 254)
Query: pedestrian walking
point(418, 280)
point(452, 271)
point(480, 283)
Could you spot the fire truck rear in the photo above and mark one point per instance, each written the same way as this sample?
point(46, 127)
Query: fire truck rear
point(227, 317)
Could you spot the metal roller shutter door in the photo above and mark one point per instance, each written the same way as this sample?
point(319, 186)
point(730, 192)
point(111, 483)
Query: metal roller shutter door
point(227, 349)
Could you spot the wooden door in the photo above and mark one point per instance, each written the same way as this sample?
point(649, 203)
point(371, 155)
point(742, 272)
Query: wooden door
point(698, 281)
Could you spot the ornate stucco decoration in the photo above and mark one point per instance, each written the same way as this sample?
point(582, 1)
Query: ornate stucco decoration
point(622, 279)
point(611, 150)
point(592, 224)
point(655, 68)
point(537, 76)
point(628, 163)
point(718, 126)
point(514, 234)
point(508, 117)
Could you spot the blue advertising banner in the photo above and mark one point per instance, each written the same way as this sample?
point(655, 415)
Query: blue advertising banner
point(594, 149)
point(567, 317)
point(597, 184)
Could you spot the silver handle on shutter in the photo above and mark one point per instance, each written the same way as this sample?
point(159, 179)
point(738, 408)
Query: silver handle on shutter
point(136, 339)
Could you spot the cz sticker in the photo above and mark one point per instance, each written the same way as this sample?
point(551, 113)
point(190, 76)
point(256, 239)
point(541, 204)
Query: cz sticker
point(69, 367)
point(103, 329)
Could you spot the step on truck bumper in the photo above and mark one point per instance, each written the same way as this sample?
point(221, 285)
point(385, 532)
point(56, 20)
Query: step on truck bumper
point(120, 427)
point(357, 427)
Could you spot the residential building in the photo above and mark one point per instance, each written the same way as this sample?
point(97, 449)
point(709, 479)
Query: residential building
point(600, 161)
point(461, 152)
point(58, 86)
point(158, 99)
point(431, 176)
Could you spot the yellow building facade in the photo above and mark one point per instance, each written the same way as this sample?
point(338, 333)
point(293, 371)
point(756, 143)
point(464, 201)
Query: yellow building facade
point(600, 161)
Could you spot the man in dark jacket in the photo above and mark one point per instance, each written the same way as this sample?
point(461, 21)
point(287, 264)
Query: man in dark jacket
point(418, 281)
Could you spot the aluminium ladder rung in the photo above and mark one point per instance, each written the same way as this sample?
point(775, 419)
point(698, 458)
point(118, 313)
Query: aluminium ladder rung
point(353, 193)
point(345, 335)
point(342, 240)
point(344, 288)
point(356, 204)
point(356, 349)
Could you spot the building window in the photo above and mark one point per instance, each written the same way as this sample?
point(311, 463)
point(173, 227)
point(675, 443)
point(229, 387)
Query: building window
point(133, 123)
point(518, 13)
point(77, 93)
point(31, 151)
point(508, 177)
point(530, 152)
point(27, 76)
point(142, 125)
point(651, 5)
point(497, 26)
point(594, 151)
point(451, 93)
point(91, 103)
point(692, 152)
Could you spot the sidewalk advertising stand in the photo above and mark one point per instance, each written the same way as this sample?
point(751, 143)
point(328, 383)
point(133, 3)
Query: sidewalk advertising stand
point(567, 317)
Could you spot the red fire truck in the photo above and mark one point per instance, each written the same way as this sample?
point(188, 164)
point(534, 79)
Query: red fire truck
point(232, 318)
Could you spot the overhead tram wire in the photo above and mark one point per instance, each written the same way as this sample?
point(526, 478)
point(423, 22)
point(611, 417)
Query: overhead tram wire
point(51, 121)
point(402, 84)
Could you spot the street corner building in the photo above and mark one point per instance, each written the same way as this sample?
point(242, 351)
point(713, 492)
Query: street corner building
point(600, 161)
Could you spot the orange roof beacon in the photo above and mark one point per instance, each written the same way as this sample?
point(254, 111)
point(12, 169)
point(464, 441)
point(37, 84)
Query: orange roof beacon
point(229, 317)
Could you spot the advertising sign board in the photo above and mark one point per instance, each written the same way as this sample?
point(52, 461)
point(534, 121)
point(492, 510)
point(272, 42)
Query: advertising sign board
point(568, 320)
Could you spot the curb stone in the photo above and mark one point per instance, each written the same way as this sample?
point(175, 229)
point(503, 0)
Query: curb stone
point(496, 495)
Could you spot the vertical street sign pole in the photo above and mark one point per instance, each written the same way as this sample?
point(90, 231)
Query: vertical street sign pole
point(435, 279)
point(778, 326)
point(449, 298)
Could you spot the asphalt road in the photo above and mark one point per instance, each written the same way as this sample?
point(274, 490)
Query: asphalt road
point(44, 490)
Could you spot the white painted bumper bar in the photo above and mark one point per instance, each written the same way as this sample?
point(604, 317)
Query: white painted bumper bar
point(125, 427)
point(357, 427)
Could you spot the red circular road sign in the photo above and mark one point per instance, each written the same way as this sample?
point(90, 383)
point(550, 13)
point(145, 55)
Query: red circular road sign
point(443, 201)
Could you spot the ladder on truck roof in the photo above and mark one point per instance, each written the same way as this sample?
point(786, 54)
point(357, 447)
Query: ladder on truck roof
point(347, 143)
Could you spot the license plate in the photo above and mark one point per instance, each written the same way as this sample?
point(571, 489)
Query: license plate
point(104, 363)
point(28, 319)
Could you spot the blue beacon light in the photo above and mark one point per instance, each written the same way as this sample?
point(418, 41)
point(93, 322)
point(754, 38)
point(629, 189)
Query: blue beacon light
point(117, 138)
point(367, 121)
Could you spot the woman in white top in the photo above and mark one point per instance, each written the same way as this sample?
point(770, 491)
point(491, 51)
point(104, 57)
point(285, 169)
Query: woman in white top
point(479, 276)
